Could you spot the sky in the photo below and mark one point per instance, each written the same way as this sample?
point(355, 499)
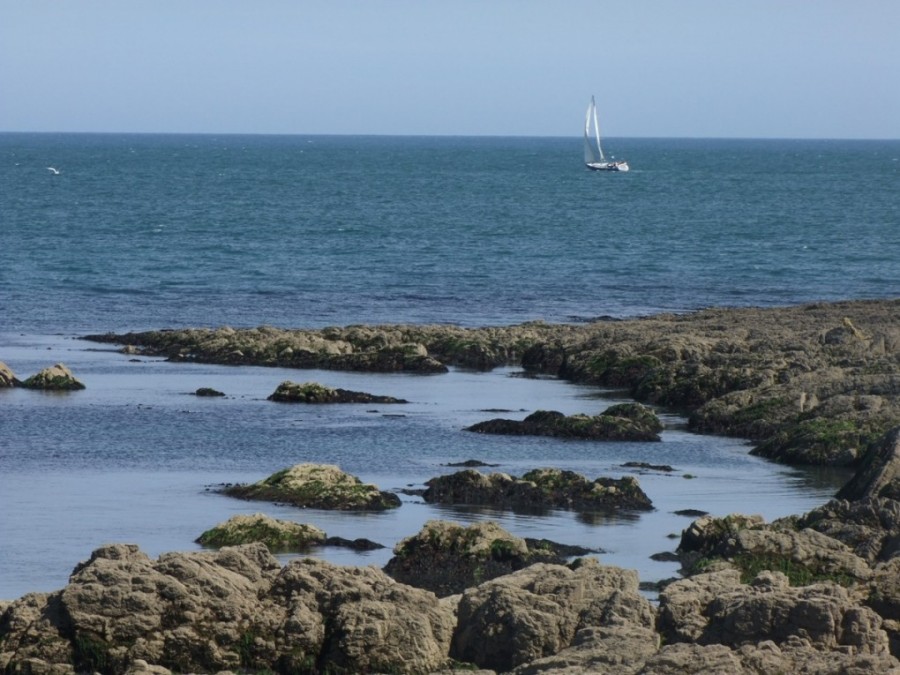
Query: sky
point(658, 68)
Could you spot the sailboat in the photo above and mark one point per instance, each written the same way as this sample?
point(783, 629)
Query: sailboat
point(594, 158)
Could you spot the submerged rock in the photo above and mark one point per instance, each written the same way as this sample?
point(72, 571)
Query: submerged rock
point(318, 486)
point(313, 392)
point(207, 391)
point(277, 535)
point(536, 490)
point(54, 378)
point(623, 422)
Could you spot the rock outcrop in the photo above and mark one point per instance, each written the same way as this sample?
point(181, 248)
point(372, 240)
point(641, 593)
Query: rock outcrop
point(7, 377)
point(447, 558)
point(54, 378)
point(313, 392)
point(622, 422)
point(539, 489)
point(277, 535)
point(317, 486)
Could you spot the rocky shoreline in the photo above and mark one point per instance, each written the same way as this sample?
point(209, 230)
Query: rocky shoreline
point(815, 593)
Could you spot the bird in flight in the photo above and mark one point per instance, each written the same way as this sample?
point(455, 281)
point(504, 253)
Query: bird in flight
point(53, 170)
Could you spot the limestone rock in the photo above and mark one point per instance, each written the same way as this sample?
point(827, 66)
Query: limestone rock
point(879, 473)
point(870, 527)
point(537, 489)
point(318, 486)
point(277, 535)
point(54, 378)
point(536, 612)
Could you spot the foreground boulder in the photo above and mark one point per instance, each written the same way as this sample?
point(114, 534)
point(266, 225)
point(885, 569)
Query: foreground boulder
point(539, 489)
point(313, 392)
point(277, 535)
point(54, 378)
point(622, 422)
point(317, 486)
point(232, 610)
point(447, 558)
point(537, 612)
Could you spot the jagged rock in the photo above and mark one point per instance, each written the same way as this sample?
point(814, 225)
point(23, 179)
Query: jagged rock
point(54, 378)
point(870, 527)
point(447, 558)
point(313, 392)
point(537, 489)
point(717, 608)
point(7, 377)
point(277, 535)
point(234, 610)
point(537, 612)
point(622, 422)
point(318, 486)
point(805, 555)
point(879, 472)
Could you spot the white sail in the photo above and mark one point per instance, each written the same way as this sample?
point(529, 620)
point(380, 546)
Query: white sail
point(593, 151)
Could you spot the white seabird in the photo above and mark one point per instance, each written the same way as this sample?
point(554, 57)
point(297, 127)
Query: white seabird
point(53, 170)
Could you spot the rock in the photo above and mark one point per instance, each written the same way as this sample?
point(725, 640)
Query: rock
point(879, 472)
point(870, 527)
point(313, 392)
point(318, 486)
point(359, 544)
point(623, 422)
point(805, 556)
point(206, 391)
point(717, 608)
point(537, 489)
point(7, 377)
point(233, 610)
point(536, 612)
point(277, 535)
point(54, 378)
point(447, 558)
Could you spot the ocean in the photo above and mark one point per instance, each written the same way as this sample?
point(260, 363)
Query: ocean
point(140, 232)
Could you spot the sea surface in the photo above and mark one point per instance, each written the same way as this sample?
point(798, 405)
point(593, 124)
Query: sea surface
point(141, 232)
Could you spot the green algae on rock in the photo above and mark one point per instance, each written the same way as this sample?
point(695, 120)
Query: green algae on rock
point(317, 486)
point(54, 378)
point(313, 392)
point(536, 490)
point(277, 535)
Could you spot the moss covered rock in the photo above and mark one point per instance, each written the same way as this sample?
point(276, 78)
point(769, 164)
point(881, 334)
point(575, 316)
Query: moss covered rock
point(277, 535)
point(54, 378)
point(623, 422)
point(318, 486)
point(313, 392)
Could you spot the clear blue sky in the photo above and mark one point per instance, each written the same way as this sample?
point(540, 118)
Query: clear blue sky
point(693, 68)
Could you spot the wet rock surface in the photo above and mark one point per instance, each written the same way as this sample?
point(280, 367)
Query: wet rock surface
point(622, 422)
point(540, 489)
point(54, 378)
point(313, 392)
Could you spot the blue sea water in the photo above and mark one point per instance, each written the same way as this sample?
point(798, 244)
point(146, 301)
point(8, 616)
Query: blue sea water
point(144, 231)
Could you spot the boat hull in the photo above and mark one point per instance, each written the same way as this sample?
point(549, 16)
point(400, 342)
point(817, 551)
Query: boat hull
point(607, 166)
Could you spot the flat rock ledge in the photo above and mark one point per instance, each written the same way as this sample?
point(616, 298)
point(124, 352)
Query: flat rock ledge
point(808, 384)
point(313, 392)
point(622, 422)
point(316, 486)
point(537, 490)
point(447, 558)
